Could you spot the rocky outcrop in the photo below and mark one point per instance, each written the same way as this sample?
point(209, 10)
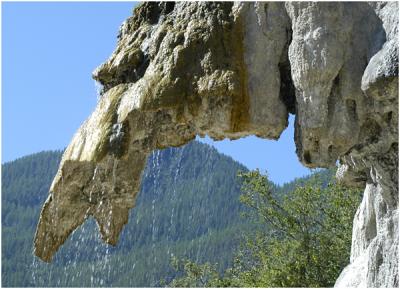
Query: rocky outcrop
point(231, 70)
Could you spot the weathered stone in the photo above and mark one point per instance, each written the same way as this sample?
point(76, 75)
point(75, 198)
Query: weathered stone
point(231, 70)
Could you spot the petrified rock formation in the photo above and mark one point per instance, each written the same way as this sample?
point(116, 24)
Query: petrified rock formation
point(230, 70)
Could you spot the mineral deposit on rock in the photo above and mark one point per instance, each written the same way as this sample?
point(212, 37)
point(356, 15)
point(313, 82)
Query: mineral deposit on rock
point(230, 70)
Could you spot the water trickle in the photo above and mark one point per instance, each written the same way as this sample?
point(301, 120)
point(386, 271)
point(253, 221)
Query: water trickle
point(94, 173)
point(156, 174)
point(115, 165)
point(173, 198)
point(34, 267)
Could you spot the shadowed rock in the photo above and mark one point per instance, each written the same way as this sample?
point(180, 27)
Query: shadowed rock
point(230, 70)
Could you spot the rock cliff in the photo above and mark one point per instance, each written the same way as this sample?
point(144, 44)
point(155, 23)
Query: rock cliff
point(230, 70)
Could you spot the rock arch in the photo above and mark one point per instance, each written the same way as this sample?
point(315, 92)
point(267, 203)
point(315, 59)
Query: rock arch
point(231, 70)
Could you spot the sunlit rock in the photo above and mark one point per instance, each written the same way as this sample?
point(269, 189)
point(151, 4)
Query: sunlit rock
point(230, 70)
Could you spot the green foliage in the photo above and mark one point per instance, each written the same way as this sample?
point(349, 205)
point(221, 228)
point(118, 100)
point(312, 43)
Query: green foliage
point(307, 235)
point(194, 275)
point(303, 237)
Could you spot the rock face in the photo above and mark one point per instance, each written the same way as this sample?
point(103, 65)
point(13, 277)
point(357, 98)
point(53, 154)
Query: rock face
point(231, 70)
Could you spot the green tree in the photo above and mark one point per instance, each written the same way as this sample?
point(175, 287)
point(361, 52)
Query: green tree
point(194, 275)
point(306, 237)
point(303, 237)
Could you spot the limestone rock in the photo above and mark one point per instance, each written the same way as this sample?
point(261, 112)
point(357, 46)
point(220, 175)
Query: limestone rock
point(231, 70)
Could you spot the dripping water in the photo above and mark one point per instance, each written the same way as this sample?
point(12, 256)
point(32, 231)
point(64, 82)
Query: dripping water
point(173, 198)
point(156, 168)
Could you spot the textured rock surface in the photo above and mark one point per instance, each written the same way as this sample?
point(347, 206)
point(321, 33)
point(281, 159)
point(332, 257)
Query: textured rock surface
point(230, 70)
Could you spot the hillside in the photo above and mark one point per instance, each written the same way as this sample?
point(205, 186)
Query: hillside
point(188, 206)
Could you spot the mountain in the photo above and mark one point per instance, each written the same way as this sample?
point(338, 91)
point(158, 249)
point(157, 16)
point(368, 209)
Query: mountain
point(188, 206)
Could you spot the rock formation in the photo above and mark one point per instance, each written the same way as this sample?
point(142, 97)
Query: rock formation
point(230, 70)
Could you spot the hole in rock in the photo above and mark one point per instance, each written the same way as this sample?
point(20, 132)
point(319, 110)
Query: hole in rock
point(307, 157)
point(389, 117)
point(331, 150)
point(278, 158)
point(351, 106)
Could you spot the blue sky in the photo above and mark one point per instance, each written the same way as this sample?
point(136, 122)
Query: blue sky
point(49, 50)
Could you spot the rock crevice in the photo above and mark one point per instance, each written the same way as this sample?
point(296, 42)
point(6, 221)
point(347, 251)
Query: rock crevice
point(230, 70)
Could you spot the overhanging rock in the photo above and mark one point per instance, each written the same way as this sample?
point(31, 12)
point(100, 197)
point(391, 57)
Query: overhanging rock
point(231, 70)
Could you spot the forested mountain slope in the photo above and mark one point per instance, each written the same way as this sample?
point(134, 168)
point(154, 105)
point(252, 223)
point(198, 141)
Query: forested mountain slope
point(188, 206)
